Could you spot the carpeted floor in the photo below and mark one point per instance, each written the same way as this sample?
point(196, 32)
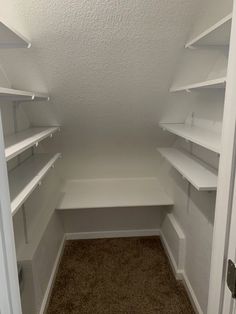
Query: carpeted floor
point(117, 276)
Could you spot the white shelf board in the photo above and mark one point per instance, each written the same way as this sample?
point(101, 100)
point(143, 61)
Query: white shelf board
point(37, 97)
point(22, 96)
point(198, 173)
point(10, 38)
point(19, 142)
point(105, 193)
point(215, 83)
point(216, 35)
point(15, 95)
point(25, 178)
point(195, 134)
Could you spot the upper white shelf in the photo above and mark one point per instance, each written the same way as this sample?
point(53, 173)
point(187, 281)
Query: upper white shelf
point(26, 177)
point(10, 38)
point(19, 95)
point(216, 83)
point(198, 173)
point(216, 35)
point(105, 193)
point(14, 94)
point(19, 142)
point(195, 134)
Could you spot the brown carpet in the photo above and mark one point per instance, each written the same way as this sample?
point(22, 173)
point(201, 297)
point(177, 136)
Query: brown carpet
point(114, 276)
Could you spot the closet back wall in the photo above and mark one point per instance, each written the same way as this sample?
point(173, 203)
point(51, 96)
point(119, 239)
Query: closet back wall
point(108, 66)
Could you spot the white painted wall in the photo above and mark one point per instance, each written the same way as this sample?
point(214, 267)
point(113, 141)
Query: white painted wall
point(195, 216)
point(112, 219)
point(38, 270)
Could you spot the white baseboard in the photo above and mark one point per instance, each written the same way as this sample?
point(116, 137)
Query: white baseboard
point(181, 275)
point(112, 234)
point(48, 291)
point(196, 306)
point(177, 272)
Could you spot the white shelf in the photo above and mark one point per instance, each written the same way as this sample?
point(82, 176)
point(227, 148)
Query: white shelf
point(203, 137)
point(216, 83)
point(105, 193)
point(10, 38)
point(19, 142)
point(14, 94)
point(199, 174)
point(216, 35)
point(37, 97)
point(22, 96)
point(26, 177)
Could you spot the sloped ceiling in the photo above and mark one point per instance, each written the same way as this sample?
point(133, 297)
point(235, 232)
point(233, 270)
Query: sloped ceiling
point(108, 66)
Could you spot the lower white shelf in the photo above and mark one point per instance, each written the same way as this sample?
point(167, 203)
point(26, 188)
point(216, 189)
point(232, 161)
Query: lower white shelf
point(17, 143)
point(198, 173)
point(27, 176)
point(104, 193)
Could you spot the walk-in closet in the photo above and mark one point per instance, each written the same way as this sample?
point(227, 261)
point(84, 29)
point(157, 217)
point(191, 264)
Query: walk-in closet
point(117, 157)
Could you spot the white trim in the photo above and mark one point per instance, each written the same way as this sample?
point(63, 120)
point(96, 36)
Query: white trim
point(181, 275)
point(196, 306)
point(8, 254)
point(112, 234)
point(225, 186)
point(48, 291)
point(177, 272)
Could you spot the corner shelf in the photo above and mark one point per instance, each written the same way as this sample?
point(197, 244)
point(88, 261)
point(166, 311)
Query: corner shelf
point(27, 176)
point(198, 173)
point(112, 193)
point(216, 83)
point(195, 134)
point(19, 142)
point(10, 38)
point(216, 35)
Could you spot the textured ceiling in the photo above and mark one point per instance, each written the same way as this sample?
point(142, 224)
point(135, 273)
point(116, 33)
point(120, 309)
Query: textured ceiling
point(108, 66)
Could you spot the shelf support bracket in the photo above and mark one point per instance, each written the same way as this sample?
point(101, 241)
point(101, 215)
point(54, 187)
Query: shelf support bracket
point(16, 105)
point(25, 224)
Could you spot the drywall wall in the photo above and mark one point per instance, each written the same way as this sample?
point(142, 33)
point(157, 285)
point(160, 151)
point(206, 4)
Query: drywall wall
point(38, 270)
point(194, 211)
